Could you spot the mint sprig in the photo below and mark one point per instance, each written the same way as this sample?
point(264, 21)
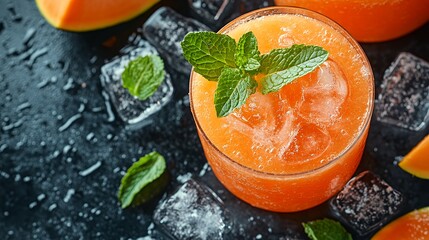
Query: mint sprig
point(282, 66)
point(247, 55)
point(143, 76)
point(145, 179)
point(232, 90)
point(209, 52)
point(218, 58)
point(326, 229)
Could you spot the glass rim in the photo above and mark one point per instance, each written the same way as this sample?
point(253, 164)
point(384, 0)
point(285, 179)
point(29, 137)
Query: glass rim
point(319, 17)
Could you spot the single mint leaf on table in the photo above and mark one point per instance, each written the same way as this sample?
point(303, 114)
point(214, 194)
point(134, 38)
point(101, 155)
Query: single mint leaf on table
point(247, 55)
point(143, 76)
point(137, 185)
point(232, 90)
point(209, 53)
point(282, 66)
point(326, 229)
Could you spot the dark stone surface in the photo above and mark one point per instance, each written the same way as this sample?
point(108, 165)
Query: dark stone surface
point(42, 194)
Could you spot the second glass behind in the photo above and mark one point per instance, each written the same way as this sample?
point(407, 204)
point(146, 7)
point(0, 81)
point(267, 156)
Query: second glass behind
point(293, 149)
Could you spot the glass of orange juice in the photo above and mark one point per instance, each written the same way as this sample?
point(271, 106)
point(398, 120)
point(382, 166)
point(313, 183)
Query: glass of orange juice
point(293, 149)
point(370, 20)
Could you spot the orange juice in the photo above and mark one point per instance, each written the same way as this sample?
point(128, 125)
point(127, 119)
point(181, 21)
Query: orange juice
point(293, 149)
point(370, 20)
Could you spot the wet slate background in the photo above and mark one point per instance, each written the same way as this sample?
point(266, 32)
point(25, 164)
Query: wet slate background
point(42, 194)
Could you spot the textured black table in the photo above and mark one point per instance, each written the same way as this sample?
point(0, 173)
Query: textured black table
point(43, 192)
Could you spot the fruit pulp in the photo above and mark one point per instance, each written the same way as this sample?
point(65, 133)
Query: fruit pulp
point(370, 20)
point(290, 150)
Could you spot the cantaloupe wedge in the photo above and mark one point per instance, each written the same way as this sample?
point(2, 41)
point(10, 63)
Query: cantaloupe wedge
point(411, 226)
point(416, 162)
point(86, 15)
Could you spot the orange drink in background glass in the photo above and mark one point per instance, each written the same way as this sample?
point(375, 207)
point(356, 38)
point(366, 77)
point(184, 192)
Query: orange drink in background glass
point(370, 20)
point(293, 149)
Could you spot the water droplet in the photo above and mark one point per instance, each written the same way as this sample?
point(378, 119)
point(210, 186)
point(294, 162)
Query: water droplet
point(3, 147)
point(23, 106)
point(36, 54)
point(66, 149)
point(32, 205)
point(90, 170)
point(69, 85)
point(69, 122)
point(111, 116)
point(17, 178)
point(81, 108)
point(93, 59)
point(109, 136)
point(68, 195)
point(41, 197)
point(90, 136)
point(29, 35)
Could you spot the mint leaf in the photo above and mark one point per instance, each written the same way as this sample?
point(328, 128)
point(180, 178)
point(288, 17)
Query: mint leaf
point(143, 76)
point(282, 66)
point(209, 52)
point(137, 185)
point(247, 53)
point(232, 90)
point(326, 229)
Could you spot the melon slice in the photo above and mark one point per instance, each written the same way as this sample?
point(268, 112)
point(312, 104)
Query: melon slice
point(416, 162)
point(86, 15)
point(412, 226)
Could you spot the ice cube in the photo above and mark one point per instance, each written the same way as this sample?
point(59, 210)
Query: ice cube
point(134, 112)
point(193, 212)
point(310, 142)
point(212, 12)
point(404, 97)
point(325, 94)
point(366, 203)
point(165, 29)
point(268, 121)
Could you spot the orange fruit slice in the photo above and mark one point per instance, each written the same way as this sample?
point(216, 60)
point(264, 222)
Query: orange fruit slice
point(412, 226)
point(416, 162)
point(86, 15)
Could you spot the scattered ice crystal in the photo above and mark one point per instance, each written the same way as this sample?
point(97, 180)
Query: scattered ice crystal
point(205, 168)
point(41, 197)
point(193, 212)
point(183, 178)
point(130, 109)
point(366, 203)
point(69, 122)
point(90, 170)
point(69, 194)
point(404, 97)
point(165, 29)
